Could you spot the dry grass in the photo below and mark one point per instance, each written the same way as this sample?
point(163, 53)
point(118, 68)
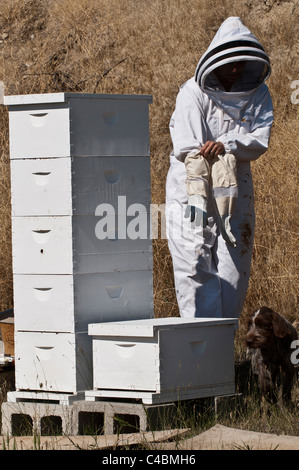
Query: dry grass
point(135, 46)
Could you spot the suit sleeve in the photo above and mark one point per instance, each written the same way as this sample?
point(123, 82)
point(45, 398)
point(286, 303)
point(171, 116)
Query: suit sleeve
point(187, 125)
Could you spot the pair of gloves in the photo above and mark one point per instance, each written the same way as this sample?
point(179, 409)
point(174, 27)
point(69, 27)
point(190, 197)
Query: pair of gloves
point(219, 173)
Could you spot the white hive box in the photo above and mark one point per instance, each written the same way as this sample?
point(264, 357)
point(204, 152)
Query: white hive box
point(159, 360)
point(78, 124)
point(49, 362)
point(71, 245)
point(77, 185)
point(65, 303)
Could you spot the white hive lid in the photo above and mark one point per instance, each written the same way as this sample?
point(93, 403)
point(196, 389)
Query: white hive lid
point(18, 100)
point(148, 327)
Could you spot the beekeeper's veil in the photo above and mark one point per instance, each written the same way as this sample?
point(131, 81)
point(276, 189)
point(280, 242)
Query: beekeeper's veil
point(233, 42)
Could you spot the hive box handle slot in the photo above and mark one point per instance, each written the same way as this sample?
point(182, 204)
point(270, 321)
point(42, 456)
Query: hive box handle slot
point(198, 347)
point(42, 293)
point(126, 350)
point(38, 119)
point(41, 236)
point(44, 353)
point(110, 118)
point(40, 177)
point(114, 292)
point(112, 176)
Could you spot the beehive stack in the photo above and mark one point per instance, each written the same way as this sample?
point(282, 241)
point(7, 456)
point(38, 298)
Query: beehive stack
point(72, 155)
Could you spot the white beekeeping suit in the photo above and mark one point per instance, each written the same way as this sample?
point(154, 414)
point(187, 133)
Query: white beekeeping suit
point(211, 275)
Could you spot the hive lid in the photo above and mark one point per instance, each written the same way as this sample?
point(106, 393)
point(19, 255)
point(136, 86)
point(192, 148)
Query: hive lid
point(148, 327)
point(64, 97)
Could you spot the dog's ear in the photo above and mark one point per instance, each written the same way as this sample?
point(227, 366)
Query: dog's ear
point(280, 326)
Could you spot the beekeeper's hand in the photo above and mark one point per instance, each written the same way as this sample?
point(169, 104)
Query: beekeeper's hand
point(197, 210)
point(212, 149)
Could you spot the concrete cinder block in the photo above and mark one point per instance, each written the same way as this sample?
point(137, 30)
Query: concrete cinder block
point(98, 417)
point(227, 404)
point(118, 415)
point(34, 414)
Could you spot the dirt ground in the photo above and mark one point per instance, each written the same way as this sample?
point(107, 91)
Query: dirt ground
point(216, 438)
point(224, 438)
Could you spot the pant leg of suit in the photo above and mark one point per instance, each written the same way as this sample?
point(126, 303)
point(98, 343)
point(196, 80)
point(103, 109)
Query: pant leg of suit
point(234, 263)
point(197, 283)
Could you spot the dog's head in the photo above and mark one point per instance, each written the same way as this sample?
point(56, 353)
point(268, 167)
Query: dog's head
point(265, 324)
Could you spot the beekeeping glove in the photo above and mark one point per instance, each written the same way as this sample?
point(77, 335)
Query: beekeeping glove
point(198, 172)
point(225, 192)
point(197, 210)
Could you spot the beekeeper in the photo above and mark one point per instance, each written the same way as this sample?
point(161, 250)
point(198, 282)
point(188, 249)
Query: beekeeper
point(221, 122)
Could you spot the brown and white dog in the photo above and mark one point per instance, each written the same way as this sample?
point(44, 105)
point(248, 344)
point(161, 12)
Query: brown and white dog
point(269, 337)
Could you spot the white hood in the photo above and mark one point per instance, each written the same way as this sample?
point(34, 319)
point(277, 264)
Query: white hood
point(233, 42)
